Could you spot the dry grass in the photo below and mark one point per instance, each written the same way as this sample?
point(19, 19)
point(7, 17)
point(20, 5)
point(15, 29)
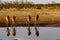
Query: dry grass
point(45, 15)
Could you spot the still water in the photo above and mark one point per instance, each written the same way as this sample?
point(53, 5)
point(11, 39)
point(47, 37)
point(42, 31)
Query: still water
point(46, 33)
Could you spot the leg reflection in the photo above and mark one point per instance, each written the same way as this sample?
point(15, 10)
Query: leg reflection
point(29, 31)
point(14, 32)
point(36, 31)
point(7, 32)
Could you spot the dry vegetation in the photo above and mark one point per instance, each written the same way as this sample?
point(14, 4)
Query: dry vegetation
point(20, 10)
point(18, 5)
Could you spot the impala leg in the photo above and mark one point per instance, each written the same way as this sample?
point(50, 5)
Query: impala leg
point(28, 20)
point(7, 23)
point(13, 24)
point(36, 30)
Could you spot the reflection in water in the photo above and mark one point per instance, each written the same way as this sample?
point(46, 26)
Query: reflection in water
point(14, 32)
point(46, 33)
point(7, 32)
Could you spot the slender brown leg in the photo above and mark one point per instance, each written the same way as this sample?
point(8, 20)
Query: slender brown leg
point(7, 23)
point(13, 24)
point(36, 30)
point(28, 20)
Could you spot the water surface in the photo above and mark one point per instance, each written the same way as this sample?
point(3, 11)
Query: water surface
point(46, 33)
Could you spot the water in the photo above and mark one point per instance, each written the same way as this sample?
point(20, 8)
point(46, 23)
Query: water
point(46, 33)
